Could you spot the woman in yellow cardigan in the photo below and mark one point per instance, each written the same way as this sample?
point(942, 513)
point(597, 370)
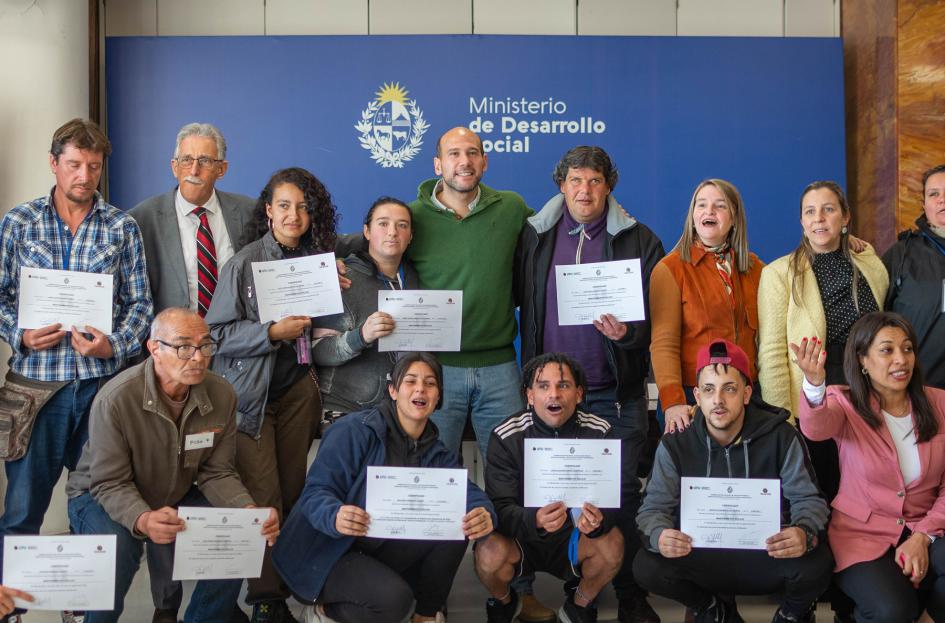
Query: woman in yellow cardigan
point(820, 290)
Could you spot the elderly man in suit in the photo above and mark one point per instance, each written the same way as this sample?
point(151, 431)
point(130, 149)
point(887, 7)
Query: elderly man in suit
point(191, 231)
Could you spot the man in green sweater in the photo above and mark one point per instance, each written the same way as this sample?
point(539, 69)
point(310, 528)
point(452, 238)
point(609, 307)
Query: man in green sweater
point(465, 235)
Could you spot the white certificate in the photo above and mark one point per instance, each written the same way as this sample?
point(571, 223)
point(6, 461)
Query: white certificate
point(70, 297)
point(300, 286)
point(430, 320)
point(219, 543)
point(574, 471)
point(416, 503)
point(587, 291)
point(62, 572)
point(732, 513)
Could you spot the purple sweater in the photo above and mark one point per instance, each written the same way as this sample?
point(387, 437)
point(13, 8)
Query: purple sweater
point(577, 244)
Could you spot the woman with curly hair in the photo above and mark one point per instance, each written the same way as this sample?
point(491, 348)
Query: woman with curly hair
point(278, 399)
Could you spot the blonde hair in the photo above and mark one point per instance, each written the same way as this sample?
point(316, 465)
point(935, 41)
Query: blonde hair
point(737, 236)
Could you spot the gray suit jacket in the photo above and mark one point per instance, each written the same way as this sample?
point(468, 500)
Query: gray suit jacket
point(157, 218)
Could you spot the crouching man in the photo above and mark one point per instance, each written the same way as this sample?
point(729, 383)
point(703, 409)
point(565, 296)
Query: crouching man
point(733, 437)
point(587, 551)
point(161, 436)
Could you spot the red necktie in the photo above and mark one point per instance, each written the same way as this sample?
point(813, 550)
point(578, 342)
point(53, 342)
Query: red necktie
point(206, 262)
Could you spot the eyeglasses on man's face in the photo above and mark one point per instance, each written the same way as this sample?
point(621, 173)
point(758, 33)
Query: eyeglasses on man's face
point(187, 351)
point(202, 161)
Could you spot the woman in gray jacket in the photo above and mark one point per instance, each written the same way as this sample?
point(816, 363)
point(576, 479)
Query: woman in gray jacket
point(278, 398)
point(352, 371)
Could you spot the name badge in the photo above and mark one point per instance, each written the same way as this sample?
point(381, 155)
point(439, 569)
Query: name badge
point(198, 441)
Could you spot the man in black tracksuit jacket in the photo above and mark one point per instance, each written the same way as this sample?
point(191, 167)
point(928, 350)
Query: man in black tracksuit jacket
point(739, 438)
point(583, 224)
point(529, 539)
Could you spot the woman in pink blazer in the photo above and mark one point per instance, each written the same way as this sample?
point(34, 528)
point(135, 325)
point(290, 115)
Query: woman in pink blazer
point(890, 432)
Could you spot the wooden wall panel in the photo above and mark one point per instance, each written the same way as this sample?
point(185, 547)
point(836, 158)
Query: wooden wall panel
point(921, 100)
point(869, 61)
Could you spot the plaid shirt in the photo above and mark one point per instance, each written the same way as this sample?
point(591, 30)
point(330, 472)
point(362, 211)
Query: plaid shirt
point(107, 241)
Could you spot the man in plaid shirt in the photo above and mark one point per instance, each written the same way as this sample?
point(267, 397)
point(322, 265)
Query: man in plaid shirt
point(72, 228)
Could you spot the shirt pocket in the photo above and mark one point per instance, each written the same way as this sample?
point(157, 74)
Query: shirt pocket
point(36, 254)
point(103, 259)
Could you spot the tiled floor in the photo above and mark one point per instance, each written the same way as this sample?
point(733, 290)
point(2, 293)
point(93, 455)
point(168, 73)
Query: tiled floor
point(466, 604)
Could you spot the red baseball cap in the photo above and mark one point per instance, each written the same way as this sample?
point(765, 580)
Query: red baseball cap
point(723, 351)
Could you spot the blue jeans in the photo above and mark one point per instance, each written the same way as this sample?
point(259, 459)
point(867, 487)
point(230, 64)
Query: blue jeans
point(488, 395)
point(212, 600)
point(59, 433)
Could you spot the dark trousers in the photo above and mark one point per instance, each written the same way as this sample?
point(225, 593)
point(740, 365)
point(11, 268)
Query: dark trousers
point(694, 579)
point(882, 593)
point(378, 581)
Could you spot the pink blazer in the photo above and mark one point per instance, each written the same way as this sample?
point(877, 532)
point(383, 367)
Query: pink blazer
point(874, 504)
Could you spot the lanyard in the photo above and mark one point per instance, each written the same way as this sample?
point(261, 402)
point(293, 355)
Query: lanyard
point(401, 277)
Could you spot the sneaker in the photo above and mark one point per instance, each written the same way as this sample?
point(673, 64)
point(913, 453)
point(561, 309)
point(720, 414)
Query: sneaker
point(273, 611)
point(498, 612)
point(13, 618)
point(570, 612)
point(73, 616)
point(720, 611)
point(636, 610)
point(808, 617)
point(533, 611)
point(162, 615)
point(315, 614)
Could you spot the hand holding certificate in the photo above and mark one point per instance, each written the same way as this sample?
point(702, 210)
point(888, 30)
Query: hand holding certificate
point(220, 543)
point(66, 297)
point(573, 471)
point(428, 320)
point(588, 291)
point(62, 572)
point(300, 286)
point(416, 503)
point(734, 513)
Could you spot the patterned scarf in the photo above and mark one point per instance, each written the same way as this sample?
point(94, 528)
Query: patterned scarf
point(724, 258)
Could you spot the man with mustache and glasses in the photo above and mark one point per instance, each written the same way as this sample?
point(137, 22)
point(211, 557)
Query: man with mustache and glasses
point(733, 437)
point(191, 231)
point(72, 228)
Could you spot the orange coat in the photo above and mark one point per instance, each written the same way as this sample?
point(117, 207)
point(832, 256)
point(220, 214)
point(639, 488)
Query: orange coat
point(874, 504)
point(690, 308)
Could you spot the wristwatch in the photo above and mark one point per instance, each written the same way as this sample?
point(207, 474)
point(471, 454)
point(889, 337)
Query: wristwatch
point(811, 535)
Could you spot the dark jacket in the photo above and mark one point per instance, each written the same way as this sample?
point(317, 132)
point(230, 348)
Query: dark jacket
point(767, 447)
point(916, 265)
point(352, 373)
point(309, 546)
point(505, 470)
point(626, 239)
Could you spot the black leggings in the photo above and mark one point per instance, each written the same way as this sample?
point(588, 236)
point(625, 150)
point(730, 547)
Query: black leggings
point(380, 581)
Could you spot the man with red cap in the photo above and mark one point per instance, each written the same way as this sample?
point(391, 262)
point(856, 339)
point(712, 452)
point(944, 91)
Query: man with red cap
point(733, 436)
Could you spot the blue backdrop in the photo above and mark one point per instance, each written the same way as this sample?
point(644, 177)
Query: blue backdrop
point(764, 113)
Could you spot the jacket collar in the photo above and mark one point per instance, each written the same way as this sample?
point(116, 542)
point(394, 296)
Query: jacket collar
point(151, 397)
point(546, 219)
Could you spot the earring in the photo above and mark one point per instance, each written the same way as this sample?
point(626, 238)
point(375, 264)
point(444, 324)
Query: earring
point(863, 370)
point(843, 230)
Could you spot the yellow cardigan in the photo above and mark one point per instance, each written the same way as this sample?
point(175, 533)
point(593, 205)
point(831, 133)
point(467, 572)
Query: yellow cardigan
point(783, 321)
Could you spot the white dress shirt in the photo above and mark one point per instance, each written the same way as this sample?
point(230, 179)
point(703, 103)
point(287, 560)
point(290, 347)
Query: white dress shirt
point(188, 223)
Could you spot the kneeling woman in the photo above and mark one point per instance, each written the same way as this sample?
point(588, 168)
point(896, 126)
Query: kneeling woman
point(323, 550)
point(890, 432)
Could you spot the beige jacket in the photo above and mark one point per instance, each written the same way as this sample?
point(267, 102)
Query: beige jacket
point(135, 460)
point(783, 321)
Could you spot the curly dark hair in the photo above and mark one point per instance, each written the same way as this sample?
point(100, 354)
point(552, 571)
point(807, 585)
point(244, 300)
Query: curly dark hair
point(321, 209)
point(586, 157)
point(535, 365)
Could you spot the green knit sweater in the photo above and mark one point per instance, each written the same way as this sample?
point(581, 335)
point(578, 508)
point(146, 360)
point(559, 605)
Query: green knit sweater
point(474, 255)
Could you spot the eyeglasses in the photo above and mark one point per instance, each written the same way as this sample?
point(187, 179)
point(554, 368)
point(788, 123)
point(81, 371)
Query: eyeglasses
point(203, 161)
point(187, 351)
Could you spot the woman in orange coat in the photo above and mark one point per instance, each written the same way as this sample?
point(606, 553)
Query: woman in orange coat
point(705, 289)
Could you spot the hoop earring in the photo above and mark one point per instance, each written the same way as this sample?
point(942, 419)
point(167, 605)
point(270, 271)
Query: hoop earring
point(864, 372)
